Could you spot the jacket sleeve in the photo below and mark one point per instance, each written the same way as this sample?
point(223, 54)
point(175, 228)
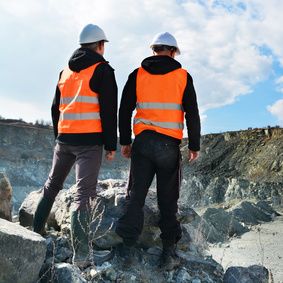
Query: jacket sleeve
point(104, 83)
point(55, 113)
point(127, 106)
point(192, 115)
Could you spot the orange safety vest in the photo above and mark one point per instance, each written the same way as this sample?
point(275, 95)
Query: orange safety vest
point(79, 105)
point(159, 102)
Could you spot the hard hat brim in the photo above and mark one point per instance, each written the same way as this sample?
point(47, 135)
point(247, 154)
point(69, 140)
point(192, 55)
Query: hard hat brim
point(87, 42)
point(178, 52)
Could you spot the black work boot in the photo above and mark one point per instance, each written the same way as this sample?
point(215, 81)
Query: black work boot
point(127, 252)
point(169, 259)
point(79, 237)
point(41, 215)
point(83, 254)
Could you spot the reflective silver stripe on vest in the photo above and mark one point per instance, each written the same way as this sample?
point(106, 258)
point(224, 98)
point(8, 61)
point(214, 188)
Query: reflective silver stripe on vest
point(157, 105)
point(166, 125)
point(79, 98)
point(80, 116)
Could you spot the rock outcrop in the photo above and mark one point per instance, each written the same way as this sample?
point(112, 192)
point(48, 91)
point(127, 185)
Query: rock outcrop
point(22, 253)
point(106, 209)
point(5, 198)
point(235, 166)
point(214, 225)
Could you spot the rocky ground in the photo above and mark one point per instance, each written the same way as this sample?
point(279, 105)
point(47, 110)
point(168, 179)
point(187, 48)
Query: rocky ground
point(214, 225)
point(262, 245)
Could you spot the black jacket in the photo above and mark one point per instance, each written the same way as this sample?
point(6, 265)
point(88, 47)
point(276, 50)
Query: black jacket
point(159, 65)
point(103, 82)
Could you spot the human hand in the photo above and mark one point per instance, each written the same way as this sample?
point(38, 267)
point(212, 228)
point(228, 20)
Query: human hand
point(193, 155)
point(110, 155)
point(126, 150)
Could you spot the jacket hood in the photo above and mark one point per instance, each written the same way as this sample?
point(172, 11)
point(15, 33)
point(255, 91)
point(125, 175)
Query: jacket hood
point(83, 58)
point(160, 64)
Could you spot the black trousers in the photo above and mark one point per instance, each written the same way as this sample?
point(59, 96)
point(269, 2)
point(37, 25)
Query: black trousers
point(153, 154)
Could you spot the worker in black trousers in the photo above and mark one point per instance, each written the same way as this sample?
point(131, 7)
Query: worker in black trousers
point(162, 94)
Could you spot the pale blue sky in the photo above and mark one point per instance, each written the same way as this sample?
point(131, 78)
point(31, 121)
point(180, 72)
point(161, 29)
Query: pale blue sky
point(233, 50)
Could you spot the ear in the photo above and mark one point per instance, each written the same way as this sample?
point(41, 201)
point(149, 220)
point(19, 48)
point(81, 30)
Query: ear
point(100, 45)
point(100, 48)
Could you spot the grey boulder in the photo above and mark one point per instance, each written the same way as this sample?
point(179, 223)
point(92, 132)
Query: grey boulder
point(251, 274)
point(224, 222)
point(67, 273)
point(250, 213)
point(5, 198)
point(22, 253)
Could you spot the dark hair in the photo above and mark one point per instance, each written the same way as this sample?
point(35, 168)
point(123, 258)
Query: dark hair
point(160, 48)
point(92, 45)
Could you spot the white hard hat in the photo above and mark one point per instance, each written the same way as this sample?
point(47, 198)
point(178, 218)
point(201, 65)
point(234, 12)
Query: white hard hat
point(92, 33)
point(165, 38)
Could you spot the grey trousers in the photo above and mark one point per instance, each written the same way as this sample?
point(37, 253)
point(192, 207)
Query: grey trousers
point(87, 160)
